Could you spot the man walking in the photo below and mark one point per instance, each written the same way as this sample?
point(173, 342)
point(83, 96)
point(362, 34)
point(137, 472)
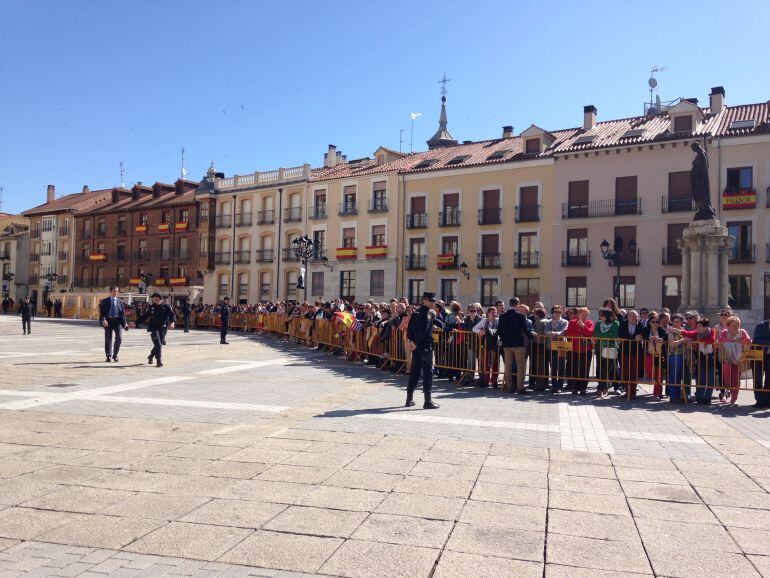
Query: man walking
point(512, 330)
point(186, 312)
point(224, 316)
point(158, 316)
point(112, 316)
point(27, 312)
point(419, 334)
point(173, 316)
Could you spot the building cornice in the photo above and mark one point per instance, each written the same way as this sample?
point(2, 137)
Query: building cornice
point(478, 169)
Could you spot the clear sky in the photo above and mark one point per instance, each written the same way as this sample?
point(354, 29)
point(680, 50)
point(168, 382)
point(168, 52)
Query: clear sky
point(255, 85)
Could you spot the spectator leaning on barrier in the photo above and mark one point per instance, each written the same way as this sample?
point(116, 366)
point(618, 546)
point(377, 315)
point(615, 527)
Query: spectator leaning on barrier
point(631, 352)
point(606, 334)
point(760, 370)
point(580, 329)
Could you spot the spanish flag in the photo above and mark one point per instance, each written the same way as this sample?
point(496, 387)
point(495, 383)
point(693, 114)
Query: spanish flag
point(446, 260)
point(164, 227)
point(346, 253)
point(348, 320)
point(376, 251)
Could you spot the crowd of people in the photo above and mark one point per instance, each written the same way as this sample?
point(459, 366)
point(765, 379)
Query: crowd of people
point(53, 307)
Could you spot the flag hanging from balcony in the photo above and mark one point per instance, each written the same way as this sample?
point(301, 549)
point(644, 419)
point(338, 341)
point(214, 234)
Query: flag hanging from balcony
point(346, 253)
point(376, 251)
point(445, 260)
point(182, 226)
point(134, 281)
point(160, 281)
point(745, 199)
point(141, 228)
point(98, 257)
point(164, 227)
point(177, 281)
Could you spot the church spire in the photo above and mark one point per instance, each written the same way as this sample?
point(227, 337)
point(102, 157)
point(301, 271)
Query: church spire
point(442, 138)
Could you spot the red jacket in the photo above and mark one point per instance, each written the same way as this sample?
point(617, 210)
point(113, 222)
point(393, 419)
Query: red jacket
point(575, 330)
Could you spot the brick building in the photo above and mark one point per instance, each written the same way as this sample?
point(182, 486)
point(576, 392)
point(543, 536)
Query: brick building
point(145, 236)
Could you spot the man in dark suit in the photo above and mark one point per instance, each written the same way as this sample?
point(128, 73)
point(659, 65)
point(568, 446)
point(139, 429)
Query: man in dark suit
point(112, 316)
point(760, 369)
point(186, 312)
point(27, 312)
point(224, 316)
point(158, 317)
point(512, 330)
point(173, 314)
point(419, 333)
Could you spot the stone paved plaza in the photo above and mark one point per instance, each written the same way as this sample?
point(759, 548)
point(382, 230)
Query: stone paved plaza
point(265, 458)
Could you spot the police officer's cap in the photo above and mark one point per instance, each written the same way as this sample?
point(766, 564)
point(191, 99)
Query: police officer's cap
point(429, 296)
point(156, 294)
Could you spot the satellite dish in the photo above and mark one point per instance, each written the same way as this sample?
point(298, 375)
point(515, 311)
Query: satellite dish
point(652, 82)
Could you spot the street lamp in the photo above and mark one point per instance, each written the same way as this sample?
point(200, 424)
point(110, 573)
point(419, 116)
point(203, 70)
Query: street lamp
point(303, 249)
point(146, 279)
point(464, 270)
point(325, 263)
point(51, 278)
point(7, 278)
point(617, 257)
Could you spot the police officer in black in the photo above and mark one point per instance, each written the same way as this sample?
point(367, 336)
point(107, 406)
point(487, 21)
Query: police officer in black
point(186, 312)
point(420, 336)
point(173, 316)
point(224, 316)
point(27, 312)
point(158, 316)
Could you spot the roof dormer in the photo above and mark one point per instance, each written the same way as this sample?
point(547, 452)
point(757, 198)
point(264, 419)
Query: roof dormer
point(386, 155)
point(535, 140)
point(685, 116)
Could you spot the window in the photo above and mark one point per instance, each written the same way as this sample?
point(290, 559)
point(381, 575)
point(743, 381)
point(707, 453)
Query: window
point(627, 291)
point(243, 287)
point(184, 216)
point(672, 292)
point(488, 291)
point(379, 197)
point(349, 237)
point(416, 290)
point(100, 276)
point(181, 271)
point(679, 191)
point(317, 283)
point(349, 199)
point(417, 216)
point(165, 216)
point(165, 249)
point(204, 211)
point(448, 289)
point(740, 291)
point(458, 159)
point(490, 213)
point(532, 146)
point(378, 235)
point(577, 246)
point(101, 227)
point(143, 219)
point(264, 284)
point(740, 179)
point(626, 234)
point(527, 255)
point(577, 199)
point(527, 290)
point(319, 201)
point(490, 251)
point(204, 246)
point(121, 226)
point(577, 294)
point(348, 285)
point(163, 274)
point(223, 284)
point(626, 196)
point(319, 244)
point(377, 282)
point(182, 249)
point(121, 275)
point(743, 249)
point(683, 123)
point(527, 209)
point(450, 245)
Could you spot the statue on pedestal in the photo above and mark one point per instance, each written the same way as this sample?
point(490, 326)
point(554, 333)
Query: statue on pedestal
point(699, 180)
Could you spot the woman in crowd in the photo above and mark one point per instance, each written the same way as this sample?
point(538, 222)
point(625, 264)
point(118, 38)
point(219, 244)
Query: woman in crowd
point(675, 358)
point(538, 355)
point(472, 342)
point(579, 331)
point(486, 329)
point(631, 352)
point(704, 338)
point(606, 333)
point(732, 341)
point(655, 338)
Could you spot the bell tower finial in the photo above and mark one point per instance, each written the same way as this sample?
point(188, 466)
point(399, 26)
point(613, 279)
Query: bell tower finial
point(442, 138)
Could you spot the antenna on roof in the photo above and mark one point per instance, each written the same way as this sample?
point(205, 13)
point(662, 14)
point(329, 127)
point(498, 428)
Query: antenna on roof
point(122, 172)
point(184, 170)
point(1, 199)
point(401, 140)
point(653, 107)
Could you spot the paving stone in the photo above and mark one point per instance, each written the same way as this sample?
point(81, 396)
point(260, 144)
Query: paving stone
point(15, 491)
point(237, 513)
point(505, 494)
point(260, 455)
point(381, 465)
point(752, 541)
point(296, 474)
point(156, 506)
point(283, 551)
point(376, 560)
point(456, 458)
point(431, 507)
point(598, 504)
point(599, 554)
point(664, 537)
point(703, 563)
point(719, 497)
point(557, 455)
point(28, 524)
point(590, 525)
point(732, 483)
point(201, 451)
point(761, 563)
point(582, 469)
point(448, 487)
point(460, 565)
point(343, 498)
point(237, 470)
point(506, 449)
point(642, 462)
point(655, 476)
point(500, 542)
point(320, 460)
point(6, 543)
point(672, 511)
point(441, 470)
point(204, 542)
point(168, 464)
point(404, 530)
point(559, 571)
point(504, 515)
point(513, 477)
point(100, 531)
point(79, 499)
point(316, 521)
point(64, 474)
point(653, 491)
point(262, 490)
point(364, 480)
point(76, 569)
point(581, 484)
point(516, 463)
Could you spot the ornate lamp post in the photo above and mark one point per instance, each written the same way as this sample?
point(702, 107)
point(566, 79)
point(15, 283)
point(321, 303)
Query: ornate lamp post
point(616, 258)
point(51, 278)
point(464, 270)
point(146, 279)
point(303, 249)
point(7, 278)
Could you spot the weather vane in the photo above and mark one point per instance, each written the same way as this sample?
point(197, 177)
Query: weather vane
point(443, 82)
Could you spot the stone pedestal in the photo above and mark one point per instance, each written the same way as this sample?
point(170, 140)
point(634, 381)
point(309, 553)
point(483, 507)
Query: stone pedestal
point(706, 247)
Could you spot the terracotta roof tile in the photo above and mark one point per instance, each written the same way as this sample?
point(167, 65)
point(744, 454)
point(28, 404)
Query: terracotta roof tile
point(75, 202)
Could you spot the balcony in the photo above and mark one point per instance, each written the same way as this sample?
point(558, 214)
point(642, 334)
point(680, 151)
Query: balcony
point(580, 259)
point(264, 256)
point(165, 255)
point(85, 234)
point(417, 221)
point(348, 208)
point(222, 258)
point(378, 206)
point(121, 256)
point(490, 216)
point(264, 290)
point(243, 220)
point(670, 256)
point(64, 231)
point(288, 255)
point(243, 289)
point(627, 259)
point(489, 260)
point(318, 211)
point(121, 230)
point(415, 262)
point(182, 255)
point(527, 213)
point(34, 257)
point(61, 280)
point(34, 279)
point(242, 257)
point(526, 259)
point(101, 232)
point(141, 255)
point(5, 255)
point(449, 218)
point(48, 226)
point(265, 217)
point(319, 254)
point(34, 234)
point(292, 215)
point(603, 208)
point(742, 254)
point(223, 222)
point(676, 205)
point(448, 261)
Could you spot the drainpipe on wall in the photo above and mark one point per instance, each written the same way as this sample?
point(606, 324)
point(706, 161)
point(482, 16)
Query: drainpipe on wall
point(232, 251)
point(400, 239)
point(278, 252)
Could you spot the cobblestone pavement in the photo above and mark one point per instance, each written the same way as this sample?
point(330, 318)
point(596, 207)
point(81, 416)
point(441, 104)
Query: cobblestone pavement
point(265, 458)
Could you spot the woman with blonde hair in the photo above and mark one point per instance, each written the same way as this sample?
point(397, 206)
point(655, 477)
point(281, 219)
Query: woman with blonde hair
point(732, 341)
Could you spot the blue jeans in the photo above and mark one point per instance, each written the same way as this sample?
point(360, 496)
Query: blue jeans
point(675, 376)
point(707, 368)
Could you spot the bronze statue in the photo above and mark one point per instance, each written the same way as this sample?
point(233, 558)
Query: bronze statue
point(699, 180)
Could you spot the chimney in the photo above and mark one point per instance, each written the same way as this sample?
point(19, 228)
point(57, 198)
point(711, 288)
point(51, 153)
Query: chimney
point(692, 101)
point(330, 158)
point(156, 191)
point(717, 99)
point(179, 187)
point(589, 117)
point(115, 196)
point(507, 131)
point(50, 194)
point(86, 189)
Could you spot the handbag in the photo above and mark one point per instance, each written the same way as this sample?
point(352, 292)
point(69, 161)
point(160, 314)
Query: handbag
point(609, 353)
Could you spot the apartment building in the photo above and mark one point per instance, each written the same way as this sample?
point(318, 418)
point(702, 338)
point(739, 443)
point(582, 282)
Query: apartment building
point(14, 256)
point(627, 181)
point(52, 239)
point(142, 237)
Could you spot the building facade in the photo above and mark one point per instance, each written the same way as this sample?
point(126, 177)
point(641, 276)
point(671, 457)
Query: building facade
point(14, 257)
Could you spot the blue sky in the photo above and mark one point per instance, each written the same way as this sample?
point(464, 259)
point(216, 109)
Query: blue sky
point(254, 85)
